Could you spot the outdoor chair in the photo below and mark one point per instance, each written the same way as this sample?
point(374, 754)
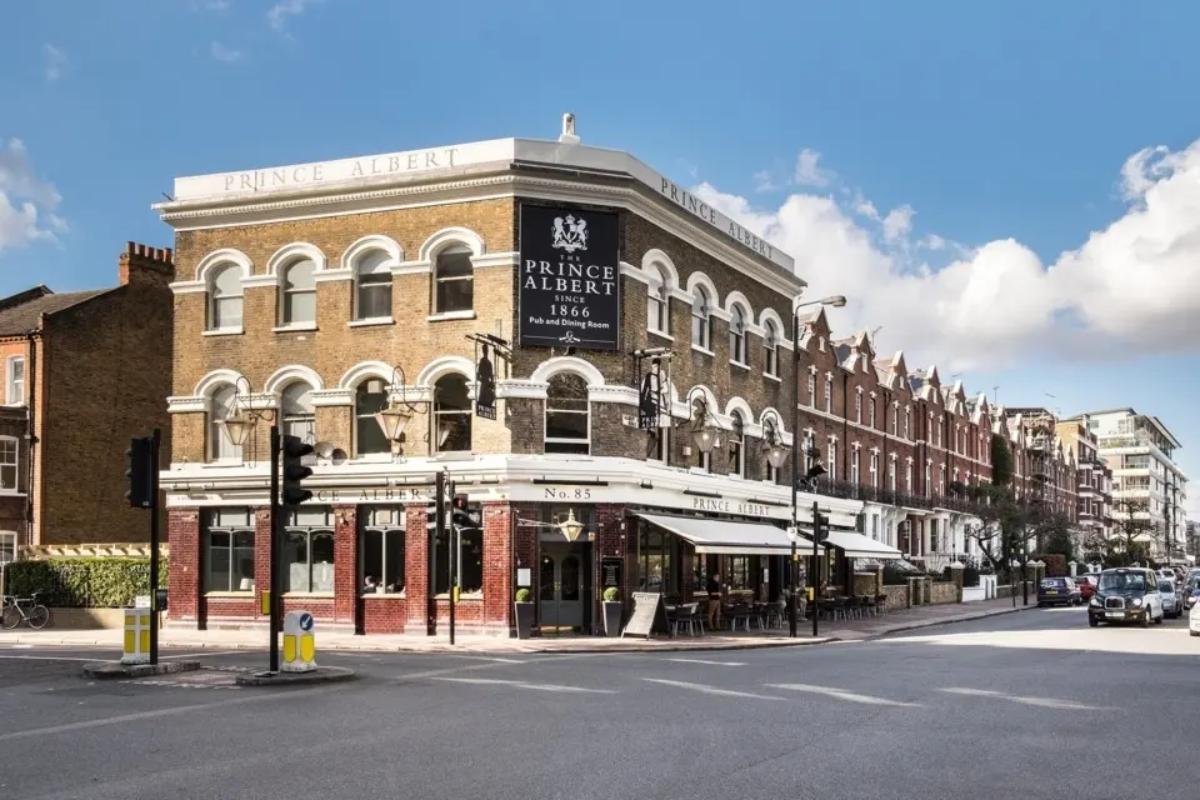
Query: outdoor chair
point(697, 620)
point(739, 614)
point(881, 603)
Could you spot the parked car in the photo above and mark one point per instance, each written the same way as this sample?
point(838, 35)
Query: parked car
point(1087, 585)
point(1126, 594)
point(1053, 591)
point(1172, 601)
point(1194, 620)
point(1191, 592)
point(1167, 574)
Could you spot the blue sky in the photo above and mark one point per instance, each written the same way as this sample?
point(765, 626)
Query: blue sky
point(913, 153)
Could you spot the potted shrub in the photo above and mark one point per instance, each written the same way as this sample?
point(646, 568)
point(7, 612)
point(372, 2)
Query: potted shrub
point(523, 604)
point(612, 611)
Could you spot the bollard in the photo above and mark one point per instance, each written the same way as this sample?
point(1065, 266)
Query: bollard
point(137, 636)
point(299, 643)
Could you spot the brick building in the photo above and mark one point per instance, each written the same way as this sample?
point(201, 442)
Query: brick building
point(83, 372)
point(317, 295)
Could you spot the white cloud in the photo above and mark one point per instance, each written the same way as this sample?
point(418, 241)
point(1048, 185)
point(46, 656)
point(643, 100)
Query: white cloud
point(808, 170)
point(27, 203)
point(224, 53)
point(55, 60)
point(763, 181)
point(897, 225)
point(279, 13)
point(1131, 287)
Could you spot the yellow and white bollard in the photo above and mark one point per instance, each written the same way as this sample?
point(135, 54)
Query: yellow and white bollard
point(299, 643)
point(137, 636)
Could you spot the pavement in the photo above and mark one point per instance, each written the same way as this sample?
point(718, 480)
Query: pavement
point(1020, 706)
point(341, 641)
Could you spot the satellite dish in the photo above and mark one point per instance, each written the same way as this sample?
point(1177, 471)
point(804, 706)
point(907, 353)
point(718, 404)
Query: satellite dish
point(324, 449)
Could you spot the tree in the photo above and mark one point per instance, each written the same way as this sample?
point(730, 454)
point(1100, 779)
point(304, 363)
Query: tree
point(1130, 527)
point(1054, 530)
point(1002, 461)
point(1005, 527)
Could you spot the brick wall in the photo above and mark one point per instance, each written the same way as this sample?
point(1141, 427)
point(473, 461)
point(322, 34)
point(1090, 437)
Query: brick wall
point(106, 372)
point(184, 578)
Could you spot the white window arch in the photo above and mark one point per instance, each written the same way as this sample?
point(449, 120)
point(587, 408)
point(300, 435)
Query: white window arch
point(737, 335)
point(568, 414)
point(222, 402)
point(453, 280)
point(373, 285)
point(298, 292)
point(296, 411)
point(701, 318)
point(225, 297)
point(771, 349)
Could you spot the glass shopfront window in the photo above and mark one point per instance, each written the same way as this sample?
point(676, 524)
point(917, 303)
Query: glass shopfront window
point(228, 550)
point(468, 559)
point(381, 543)
point(308, 552)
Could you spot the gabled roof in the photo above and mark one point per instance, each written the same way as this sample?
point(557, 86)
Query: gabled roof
point(22, 312)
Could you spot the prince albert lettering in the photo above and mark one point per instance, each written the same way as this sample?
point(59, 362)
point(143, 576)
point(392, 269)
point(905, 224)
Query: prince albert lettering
point(566, 276)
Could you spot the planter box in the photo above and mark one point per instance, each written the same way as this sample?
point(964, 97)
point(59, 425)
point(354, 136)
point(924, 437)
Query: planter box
point(524, 615)
point(612, 617)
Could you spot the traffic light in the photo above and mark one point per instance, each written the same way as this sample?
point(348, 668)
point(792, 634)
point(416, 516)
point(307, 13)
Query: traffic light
point(139, 470)
point(820, 527)
point(294, 449)
point(461, 515)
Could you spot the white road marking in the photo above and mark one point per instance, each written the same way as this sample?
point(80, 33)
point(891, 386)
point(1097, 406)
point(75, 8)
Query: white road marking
point(1040, 702)
point(704, 688)
point(710, 663)
point(204, 654)
point(536, 687)
point(48, 658)
point(141, 715)
point(494, 659)
point(841, 694)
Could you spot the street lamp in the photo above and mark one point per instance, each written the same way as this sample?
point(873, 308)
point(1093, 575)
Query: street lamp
point(571, 527)
point(777, 453)
point(395, 418)
point(704, 432)
point(244, 416)
point(833, 301)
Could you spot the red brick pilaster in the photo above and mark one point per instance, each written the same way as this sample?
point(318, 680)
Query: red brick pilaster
point(609, 541)
point(498, 574)
point(416, 570)
point(345, 563)
point(185, 582)
point(262, 559)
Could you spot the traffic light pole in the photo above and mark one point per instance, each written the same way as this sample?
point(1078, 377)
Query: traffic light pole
point(276, 578)
point(439, 525)
point(816, 570)
point(450, 531)
point(155, 440)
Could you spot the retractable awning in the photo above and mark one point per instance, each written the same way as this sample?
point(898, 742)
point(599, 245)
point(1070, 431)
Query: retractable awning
point(855, 545)
point(728, 537)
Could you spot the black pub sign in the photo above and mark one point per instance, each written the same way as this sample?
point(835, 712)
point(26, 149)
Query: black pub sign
point(570, 293)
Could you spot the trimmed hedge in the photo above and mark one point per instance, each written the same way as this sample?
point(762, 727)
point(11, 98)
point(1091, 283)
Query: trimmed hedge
point(107, 582)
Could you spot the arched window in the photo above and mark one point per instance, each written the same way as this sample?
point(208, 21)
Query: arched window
point(858, 405)
point(296, 409)
point(370, 398)
point(771, 350)
point(737, 445)
point(737, 335)
point(854, 466)
point(907, 422)
point(454, 279)
point(828, 394)
point(831, 465)
point(567, 422)
point(225, 298)
point(220, 408)
point(701, 319)
point(908, 478)
point(373, 286)
point(812, 389)
point(871, 412)
point(298, 300)
point(658, 303)
point(892, 473)
point(874, 467)
point(451, 414)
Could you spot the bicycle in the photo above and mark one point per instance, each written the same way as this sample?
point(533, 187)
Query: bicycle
point(14, 612)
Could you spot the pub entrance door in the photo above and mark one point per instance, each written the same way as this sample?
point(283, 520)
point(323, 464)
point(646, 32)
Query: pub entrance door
point(564, 580)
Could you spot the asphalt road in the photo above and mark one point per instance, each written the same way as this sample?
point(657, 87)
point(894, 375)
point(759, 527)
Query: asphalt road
point(1025, 705)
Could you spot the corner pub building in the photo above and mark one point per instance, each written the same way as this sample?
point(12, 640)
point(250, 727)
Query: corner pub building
point(318, 295)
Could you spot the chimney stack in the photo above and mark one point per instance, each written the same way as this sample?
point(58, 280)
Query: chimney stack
point(141, 263)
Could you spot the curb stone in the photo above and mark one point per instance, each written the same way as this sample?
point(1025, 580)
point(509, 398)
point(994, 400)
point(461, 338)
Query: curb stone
point(103, 670)
point(319, 675)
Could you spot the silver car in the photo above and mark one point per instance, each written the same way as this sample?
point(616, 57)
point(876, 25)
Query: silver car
point(1172, 602)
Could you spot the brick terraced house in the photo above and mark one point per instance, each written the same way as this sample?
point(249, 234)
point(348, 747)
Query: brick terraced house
point(83, 372)
point(645, 395)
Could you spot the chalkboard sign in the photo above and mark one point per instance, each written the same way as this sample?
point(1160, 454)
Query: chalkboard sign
point(649, 614)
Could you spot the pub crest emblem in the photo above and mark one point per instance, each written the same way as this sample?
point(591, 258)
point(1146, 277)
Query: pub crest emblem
point(570, 234)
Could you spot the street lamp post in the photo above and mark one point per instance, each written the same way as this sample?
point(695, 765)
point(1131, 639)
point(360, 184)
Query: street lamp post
point(834, 301)
point(399, 412)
